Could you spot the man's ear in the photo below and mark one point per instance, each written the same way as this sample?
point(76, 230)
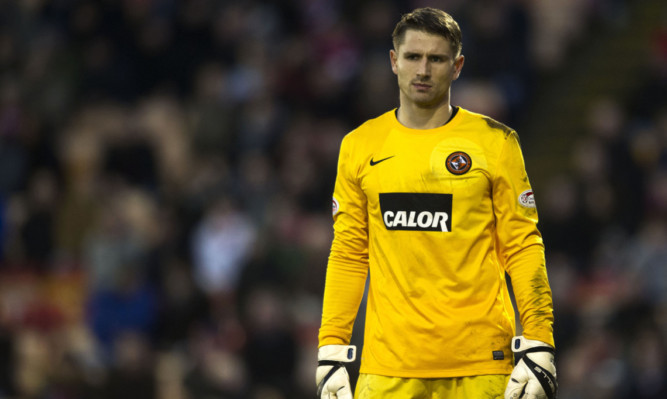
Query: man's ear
point(458, 66)
point(393, 58)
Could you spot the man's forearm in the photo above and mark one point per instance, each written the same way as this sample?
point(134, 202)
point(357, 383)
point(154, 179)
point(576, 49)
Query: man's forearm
point(344, 289)
point(533, 294)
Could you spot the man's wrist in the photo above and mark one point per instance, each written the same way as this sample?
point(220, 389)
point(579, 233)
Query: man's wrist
point(340, 353)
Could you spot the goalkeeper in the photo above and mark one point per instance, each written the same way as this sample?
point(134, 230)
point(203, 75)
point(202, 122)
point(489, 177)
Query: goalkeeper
point(433, 204)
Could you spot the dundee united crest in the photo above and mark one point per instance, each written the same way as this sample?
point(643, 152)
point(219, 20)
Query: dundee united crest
point(458, 163)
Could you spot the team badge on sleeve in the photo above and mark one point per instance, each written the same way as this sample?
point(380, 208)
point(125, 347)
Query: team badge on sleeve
point(334, 206)
point(526, 199)
point(458, 163)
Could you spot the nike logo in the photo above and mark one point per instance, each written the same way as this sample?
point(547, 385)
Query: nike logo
point(373, 163)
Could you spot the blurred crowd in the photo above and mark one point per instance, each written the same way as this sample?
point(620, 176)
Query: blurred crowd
point(605, 228)
point(166, 170)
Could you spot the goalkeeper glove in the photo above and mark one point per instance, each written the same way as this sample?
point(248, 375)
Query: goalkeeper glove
point(534, 376)
point(331, 377)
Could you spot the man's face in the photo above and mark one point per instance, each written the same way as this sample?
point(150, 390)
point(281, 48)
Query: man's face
point(425, 66)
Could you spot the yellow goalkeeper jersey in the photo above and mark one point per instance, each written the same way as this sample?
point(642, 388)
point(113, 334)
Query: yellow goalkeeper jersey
point(436, 217)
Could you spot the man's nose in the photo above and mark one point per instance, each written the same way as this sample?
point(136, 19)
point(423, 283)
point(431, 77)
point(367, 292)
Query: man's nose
point(424, 68)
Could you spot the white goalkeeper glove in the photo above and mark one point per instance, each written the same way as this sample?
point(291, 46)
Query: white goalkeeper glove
point(534, 376)
point(332, 379)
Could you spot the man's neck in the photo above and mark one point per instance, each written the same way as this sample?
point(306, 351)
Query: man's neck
point(414, 117)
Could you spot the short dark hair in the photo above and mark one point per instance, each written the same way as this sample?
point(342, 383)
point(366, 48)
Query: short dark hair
point(430, 20)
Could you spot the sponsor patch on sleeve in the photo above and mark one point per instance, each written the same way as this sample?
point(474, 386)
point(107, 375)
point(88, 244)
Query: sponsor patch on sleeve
point(526, 199)
point(334, 206)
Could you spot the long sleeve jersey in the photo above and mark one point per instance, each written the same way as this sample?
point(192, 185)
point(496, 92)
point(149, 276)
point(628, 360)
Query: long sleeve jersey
point(435, 218)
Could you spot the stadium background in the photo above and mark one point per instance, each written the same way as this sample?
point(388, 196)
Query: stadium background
point(166, 170)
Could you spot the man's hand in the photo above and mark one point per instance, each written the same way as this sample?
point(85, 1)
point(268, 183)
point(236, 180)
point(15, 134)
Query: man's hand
point(534, 376)
point(332, 379)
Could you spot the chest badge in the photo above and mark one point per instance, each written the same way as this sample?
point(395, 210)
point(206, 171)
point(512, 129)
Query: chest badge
point(458, 163)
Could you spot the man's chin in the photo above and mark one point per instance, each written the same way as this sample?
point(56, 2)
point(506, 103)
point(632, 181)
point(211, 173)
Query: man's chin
point(426, 100)
point(426, 103)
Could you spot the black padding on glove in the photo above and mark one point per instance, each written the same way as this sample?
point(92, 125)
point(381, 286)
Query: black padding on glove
point(545, 378)
point(336, 365)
